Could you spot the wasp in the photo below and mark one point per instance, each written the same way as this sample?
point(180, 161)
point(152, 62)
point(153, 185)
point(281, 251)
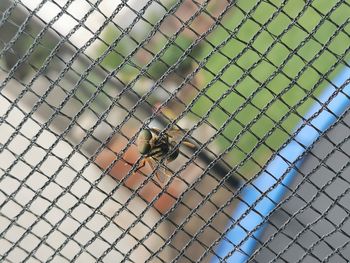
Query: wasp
point(154, 146)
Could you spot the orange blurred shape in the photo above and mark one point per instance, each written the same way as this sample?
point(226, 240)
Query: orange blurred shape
point(122, 167)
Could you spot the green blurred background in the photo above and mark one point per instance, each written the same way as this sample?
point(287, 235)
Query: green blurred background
point(258, 93)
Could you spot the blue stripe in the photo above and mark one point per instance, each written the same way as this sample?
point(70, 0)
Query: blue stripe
point(278, 167)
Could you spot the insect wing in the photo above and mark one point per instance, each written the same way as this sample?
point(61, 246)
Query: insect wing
point(161, 173)
point(177, 135)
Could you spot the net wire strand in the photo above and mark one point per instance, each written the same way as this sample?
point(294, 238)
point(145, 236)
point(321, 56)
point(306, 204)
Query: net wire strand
point(181, 86)
point(37, 145)
point(50, 105)
point(292, 166)
point(307, 204)
point(253, 208)
point(281, 182)
point(14, 221)
point(336, 229)
point(68, 41)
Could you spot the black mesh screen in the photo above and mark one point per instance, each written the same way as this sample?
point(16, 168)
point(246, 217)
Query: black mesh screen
point(228, 85)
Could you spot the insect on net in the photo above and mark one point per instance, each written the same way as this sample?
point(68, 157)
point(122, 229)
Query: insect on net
point(222, 89)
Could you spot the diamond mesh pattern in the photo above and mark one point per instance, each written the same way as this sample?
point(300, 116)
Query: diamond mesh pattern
point(79, 80)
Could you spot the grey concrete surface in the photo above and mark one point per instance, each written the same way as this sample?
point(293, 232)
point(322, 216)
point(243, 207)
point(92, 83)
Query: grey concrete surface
point(313, 223)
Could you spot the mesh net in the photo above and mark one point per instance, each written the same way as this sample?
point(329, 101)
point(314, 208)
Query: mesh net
point(222, 83)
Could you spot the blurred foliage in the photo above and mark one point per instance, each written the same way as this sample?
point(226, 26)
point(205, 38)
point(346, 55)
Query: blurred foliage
point(14, 46)
point(172, 54)
point(146, 54)
point(252, 94)
point(258, 94)
point(117, 55)
point(240, 103)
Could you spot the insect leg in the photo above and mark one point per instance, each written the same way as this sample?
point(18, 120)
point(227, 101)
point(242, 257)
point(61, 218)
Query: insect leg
point(141, 165)
point(189, 144)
